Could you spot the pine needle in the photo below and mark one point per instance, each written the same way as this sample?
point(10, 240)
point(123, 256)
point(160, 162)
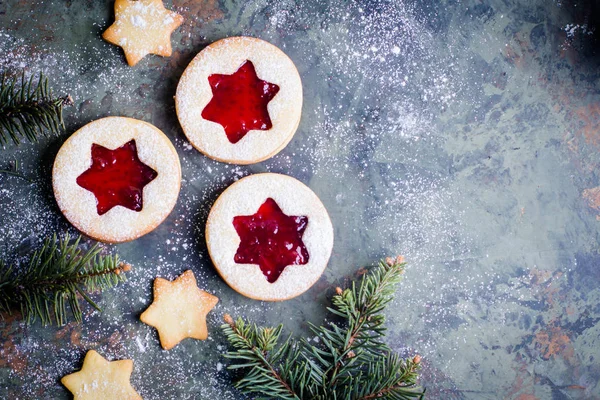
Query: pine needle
point(28, 109)
point(54, 277)
point(350, 360)
point(14, 170)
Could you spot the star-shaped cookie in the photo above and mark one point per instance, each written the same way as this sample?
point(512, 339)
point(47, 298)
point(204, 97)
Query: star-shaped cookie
point(142, 27)
point(101, 379)
point(179, 310)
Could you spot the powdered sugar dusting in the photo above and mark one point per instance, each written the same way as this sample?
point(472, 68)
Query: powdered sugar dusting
point(138, 21)
point(244, 198)
point(225, 57)
point(377, 133)
point(380, 93)
point(119, 223)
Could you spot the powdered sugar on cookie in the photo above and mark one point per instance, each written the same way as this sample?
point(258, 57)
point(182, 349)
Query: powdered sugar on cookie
point(225, 57)
point(179, 310)
point(119, 224)
point(142, 27)
point(244, 198)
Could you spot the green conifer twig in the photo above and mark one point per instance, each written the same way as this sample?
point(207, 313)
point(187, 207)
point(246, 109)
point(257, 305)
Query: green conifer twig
point(350, 360)
point(54, 277)
point(14, 171)
point(28, 109)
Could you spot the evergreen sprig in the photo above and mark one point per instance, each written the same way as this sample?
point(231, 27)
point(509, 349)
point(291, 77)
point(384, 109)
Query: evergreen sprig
point(54, 277)
point(349, 361)
point(15, 170)
point(28, 109)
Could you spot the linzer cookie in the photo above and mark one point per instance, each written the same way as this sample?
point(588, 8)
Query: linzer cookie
point(240, 100)
point(269, 237)
point(116, 178)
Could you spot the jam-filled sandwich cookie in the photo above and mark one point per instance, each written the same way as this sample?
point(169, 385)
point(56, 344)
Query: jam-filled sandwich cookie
point(116, 178)
point(240, 100)
point(269, 237)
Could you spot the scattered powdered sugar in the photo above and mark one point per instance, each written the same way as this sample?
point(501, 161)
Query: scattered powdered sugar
point(151, 15)
point(142, 345)
point(138, 21)
point(369, 144)
point(144, 11)
point(83, 71)
point(571, 29)
point(168, 20)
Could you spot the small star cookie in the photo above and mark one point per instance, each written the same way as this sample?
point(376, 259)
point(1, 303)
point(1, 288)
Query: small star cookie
point(179, 310)
point(101, 379)
point(142, 27)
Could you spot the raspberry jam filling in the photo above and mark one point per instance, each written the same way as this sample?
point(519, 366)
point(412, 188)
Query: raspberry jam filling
point(116, 177)
point(271, 239)
point(239, 102)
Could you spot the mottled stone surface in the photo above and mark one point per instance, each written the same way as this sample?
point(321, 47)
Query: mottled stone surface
point(464, 135)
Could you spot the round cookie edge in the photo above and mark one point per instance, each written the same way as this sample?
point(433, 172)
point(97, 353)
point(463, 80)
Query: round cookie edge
point(94, 234)
point(249, 294)
point(241, 161)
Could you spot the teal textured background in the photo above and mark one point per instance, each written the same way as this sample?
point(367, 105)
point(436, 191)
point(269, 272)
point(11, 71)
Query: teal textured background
point(463, 135)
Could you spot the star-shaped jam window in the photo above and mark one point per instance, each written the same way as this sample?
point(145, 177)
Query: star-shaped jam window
point(116, 177)
point(239, 102)
point(271, 239)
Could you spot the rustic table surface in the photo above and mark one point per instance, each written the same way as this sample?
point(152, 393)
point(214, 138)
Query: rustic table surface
point(463, 135)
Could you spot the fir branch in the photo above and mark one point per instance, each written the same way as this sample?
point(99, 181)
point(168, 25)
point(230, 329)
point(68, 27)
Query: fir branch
point(362, 311)
point(14, 171)
point(53, 278)
point(350, 360)
point(28, 109)
point(253, 346)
